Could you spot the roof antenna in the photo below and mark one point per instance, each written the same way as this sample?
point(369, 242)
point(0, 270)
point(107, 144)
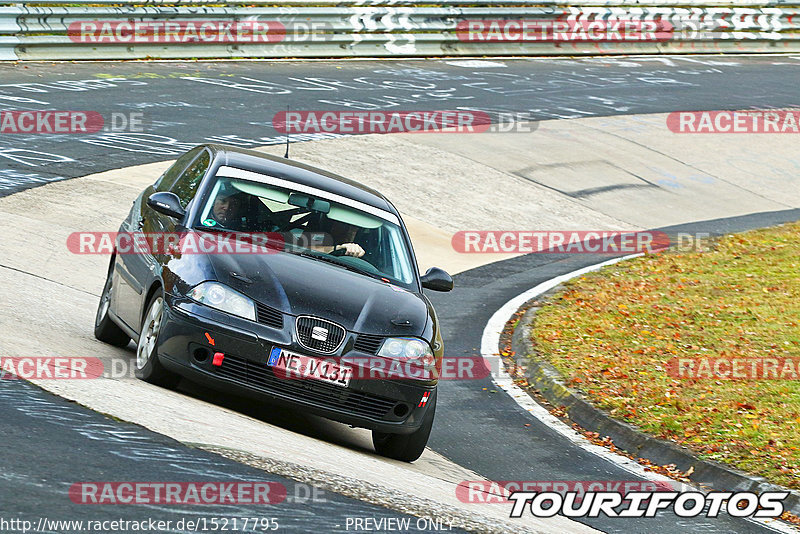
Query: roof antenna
point(286, 124)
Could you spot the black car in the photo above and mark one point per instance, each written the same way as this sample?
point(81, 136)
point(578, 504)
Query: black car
point(315, 320)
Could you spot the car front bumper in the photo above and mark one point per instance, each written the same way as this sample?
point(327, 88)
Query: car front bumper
point(191, 333)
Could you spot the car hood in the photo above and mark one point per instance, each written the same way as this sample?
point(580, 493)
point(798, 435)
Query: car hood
point(302, 286)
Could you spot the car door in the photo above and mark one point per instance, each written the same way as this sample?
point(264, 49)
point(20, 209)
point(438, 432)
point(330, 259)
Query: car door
point(133, 271)
point(185, 187)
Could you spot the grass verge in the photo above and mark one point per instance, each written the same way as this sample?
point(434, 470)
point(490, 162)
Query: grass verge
point(617, 335)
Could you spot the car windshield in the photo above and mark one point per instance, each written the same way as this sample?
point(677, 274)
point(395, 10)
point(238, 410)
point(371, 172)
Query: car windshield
point(312, 223)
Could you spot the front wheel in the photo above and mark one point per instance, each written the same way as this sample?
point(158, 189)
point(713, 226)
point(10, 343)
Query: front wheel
point(405, 447)
point(105, 329)
point(148, 367)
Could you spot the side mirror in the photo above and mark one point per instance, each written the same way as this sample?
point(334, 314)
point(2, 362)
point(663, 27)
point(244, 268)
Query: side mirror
point(437, 280)
point(167, 203)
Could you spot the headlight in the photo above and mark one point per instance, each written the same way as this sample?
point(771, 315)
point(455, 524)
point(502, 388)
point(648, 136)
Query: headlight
point(408, 348)
point(223, 298)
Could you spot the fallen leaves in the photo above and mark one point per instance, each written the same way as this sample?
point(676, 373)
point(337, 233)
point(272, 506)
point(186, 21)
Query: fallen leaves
point(611, 333)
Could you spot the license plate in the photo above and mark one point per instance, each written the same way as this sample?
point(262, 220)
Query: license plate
point(292, 365)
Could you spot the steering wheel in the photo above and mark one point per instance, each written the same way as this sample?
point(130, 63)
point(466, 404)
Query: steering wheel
point(355, 262)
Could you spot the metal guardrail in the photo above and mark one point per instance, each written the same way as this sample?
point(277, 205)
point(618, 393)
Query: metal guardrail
point(105, 29)
point(409, 3)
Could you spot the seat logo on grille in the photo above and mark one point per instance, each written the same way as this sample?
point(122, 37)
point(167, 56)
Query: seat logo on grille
point(319, 333)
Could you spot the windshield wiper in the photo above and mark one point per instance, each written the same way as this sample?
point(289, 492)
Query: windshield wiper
point(334, 261)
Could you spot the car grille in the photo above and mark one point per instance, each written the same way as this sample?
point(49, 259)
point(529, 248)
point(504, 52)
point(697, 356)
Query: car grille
point(268, 316)
point(368, 343)
point(260, 376)
point(334, 334)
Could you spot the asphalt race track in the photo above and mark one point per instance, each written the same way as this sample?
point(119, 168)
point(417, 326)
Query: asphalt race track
point(184, 104)
point(478, 426)
point(78, 445)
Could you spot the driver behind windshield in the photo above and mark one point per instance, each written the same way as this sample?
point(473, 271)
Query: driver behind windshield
point(343, 235)
point(319, 233)
point(228, 209)
point(331, 236)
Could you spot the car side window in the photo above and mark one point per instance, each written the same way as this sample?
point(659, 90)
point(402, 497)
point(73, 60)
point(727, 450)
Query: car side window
point(167, 179)
point(186, 186)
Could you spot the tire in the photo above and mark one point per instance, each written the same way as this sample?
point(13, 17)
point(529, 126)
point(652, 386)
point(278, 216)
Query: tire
point(105, 329)
point(148, 366)
point(405, 447)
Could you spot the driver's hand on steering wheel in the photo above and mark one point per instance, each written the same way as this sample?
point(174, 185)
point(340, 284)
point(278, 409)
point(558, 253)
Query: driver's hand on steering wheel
point(350, 249)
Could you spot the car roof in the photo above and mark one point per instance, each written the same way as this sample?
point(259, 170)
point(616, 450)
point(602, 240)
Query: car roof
point(301, 173)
